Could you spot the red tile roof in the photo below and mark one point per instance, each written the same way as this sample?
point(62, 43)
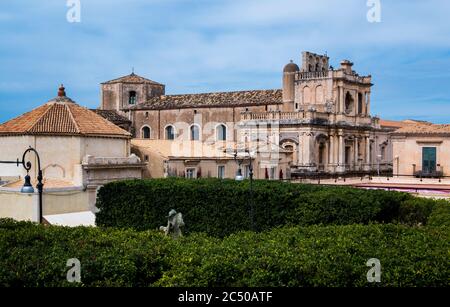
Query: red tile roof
point(391, 123)
point(62, 116)
point(133, 78)
point(424, 129)
point(112, 116)
point(220, 99)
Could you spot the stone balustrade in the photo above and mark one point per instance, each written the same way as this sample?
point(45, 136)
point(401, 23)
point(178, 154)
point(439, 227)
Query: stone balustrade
point(313, 75)
point(91, 160)
point(272, 115)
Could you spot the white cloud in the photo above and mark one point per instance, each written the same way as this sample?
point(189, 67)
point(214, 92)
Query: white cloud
point(201, 45)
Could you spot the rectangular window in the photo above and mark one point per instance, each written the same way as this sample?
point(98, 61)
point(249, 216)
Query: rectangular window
point(132, 97)
point(428, 160)
point(221, 172)
point(191, 173)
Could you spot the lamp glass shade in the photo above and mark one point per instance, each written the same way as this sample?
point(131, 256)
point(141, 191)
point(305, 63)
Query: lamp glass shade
point(27, 187)
point(239, 176)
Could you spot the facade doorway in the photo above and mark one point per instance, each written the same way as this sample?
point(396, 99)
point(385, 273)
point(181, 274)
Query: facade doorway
point(348, 155)
point(428, 160)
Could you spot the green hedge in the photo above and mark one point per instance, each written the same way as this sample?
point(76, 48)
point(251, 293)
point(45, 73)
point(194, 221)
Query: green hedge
point(440, 216)
point(330, 256)
point(223, 207)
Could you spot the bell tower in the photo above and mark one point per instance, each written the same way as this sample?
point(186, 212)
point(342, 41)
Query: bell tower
point(289, 72)
point(125, 92)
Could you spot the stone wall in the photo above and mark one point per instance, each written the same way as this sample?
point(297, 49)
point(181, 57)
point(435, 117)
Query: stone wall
point(407, 152)
point(182, 119)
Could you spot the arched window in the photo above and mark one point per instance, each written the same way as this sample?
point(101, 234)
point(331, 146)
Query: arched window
point(348, 103)
point(383, 153)
point(132, 97)
point(321, 153)
point(221, 132)
point(319, 94)
point(146, 132)
point(170, 133)
point(306, 95)
point(195, 133)
point(360, 103)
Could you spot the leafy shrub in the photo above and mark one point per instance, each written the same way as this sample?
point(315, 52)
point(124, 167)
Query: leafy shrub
point(440, 215)
point(415, 211)
point(223, 207)
point(331, 256)
point(315, 256)
point(33, 255)
point(336, 207)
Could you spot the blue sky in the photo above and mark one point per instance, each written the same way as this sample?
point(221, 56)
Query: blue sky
point(220, 45)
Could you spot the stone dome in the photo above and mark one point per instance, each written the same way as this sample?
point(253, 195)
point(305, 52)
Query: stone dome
point(291, 67)
point(62, 116)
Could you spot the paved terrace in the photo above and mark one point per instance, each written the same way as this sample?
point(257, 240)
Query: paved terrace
point(426, 187)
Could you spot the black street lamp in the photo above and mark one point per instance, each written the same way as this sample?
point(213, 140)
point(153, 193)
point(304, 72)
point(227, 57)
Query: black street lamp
point(239, 177)
point(27, 187)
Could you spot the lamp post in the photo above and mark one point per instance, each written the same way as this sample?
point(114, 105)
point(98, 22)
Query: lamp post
point(240, 177)
point(27, 187)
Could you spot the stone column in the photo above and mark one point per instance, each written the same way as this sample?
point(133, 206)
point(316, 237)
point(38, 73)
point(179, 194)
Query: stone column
point(331, 151)
point(341, 155)
point(368, 103)
point(355, 151)
point(341, 100)
point(367, 166)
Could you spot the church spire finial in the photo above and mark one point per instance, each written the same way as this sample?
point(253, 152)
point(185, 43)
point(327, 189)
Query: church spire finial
point(132, 70)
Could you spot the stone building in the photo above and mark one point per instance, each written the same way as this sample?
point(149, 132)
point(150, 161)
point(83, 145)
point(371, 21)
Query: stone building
point(196, 159)
point(422, 150)
point(79, 151)
point(321, 117)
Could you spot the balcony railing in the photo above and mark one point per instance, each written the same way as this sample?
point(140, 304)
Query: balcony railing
point(437, 173)
point(312, 75)
point(428, 174)
point(305, 117)
point(272, 115)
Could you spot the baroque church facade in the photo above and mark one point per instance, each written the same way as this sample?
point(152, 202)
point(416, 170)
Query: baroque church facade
point(320, 119)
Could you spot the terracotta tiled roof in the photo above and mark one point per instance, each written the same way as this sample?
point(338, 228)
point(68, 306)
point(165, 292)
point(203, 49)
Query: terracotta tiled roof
point(424, 129)
point(112, 116)
point(400, 124)
point(221, 99)
point(133, 78)
point(392, 123)
point(61, 116)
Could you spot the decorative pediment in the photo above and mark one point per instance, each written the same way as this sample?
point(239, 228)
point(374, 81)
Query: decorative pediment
point(289, 136)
